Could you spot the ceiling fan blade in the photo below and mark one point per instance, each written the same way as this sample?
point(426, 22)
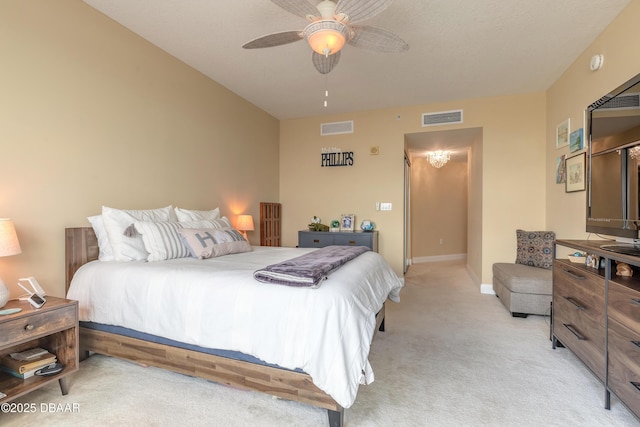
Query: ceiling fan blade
point(324, 64)
point(377, 40)
point(275, 39)
point(360, 10)
point(301, 8)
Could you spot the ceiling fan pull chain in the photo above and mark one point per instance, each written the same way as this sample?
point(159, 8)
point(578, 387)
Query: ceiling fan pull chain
point(326, 90)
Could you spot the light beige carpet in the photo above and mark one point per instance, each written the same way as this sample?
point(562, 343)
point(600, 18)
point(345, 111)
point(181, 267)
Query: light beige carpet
point(449, 357)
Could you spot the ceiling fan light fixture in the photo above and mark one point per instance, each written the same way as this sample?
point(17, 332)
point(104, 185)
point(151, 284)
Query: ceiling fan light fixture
point(326, 37)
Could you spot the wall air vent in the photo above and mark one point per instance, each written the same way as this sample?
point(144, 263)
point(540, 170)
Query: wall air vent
point(625, 101)
point(442, 118)
point(336, 128)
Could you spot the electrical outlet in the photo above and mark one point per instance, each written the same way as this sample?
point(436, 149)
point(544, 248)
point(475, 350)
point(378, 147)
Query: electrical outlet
point(441, 241)
point(377, 206)
point(385, 206)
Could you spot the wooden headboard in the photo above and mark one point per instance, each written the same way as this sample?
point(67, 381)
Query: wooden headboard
point(81, 246)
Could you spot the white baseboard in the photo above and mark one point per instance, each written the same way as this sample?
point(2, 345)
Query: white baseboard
point(487, 288)
point(438, 258)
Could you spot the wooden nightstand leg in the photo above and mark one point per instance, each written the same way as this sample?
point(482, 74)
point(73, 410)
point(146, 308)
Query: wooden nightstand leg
point(63, 386)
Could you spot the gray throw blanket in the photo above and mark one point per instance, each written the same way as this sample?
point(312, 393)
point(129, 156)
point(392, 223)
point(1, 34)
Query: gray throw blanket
point(310, 269)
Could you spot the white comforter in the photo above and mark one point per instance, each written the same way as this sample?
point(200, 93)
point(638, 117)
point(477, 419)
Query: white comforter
point(216, 303)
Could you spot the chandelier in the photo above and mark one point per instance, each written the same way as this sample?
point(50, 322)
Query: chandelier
point(438, 158)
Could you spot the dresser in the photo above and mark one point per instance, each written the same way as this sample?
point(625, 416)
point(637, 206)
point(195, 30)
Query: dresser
point(320, 239)
point(596, 315)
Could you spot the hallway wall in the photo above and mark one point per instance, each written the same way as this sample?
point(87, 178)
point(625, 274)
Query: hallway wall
point(438, 209)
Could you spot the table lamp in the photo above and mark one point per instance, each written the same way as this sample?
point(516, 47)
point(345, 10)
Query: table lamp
point(9, 245)
point(245, 223)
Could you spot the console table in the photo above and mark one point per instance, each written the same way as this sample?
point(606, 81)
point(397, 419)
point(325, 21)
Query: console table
point(596, 315)
point(320, 239)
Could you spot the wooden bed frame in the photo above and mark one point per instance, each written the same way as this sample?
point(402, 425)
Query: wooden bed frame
point(82, 247)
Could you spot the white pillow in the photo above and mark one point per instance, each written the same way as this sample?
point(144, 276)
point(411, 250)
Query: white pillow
point(105, 253)
point(126, 243)
point(193, 215)
point(161, 239)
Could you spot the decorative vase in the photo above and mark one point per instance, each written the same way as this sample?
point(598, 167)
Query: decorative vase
point(4, 293)
point(367, 225)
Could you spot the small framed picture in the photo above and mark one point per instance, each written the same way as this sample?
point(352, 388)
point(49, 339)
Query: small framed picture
point(347, 222)
point(561, 171)
point(562, 134)
point(575, 170)
point(576, 141)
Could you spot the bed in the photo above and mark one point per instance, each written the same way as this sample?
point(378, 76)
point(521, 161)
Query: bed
point(244, 369)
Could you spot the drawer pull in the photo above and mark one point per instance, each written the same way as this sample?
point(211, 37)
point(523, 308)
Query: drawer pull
point(316, 241)
point(572, 301)
point(29, 327)
point(635, 301)
point(636, 343)
point(635, 384)
point(574, 275)
point(574, 331)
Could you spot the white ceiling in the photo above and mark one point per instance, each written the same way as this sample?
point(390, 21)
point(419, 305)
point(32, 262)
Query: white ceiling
point(459, 49)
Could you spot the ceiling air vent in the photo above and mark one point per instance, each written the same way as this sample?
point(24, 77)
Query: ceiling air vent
point(336, 128)
point(622, 102)
point(442, 118)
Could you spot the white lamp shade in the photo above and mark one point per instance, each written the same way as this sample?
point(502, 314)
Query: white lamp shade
point(245, 223)
point(4, 293)
point(9, 244)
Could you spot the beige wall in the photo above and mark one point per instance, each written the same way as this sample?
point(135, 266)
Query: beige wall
point(570, 95)
point(91, 114)
point(505, 183)
point(438, 208)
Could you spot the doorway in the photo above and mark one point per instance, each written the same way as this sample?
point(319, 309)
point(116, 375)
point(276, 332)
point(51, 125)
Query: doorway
point(443, 205)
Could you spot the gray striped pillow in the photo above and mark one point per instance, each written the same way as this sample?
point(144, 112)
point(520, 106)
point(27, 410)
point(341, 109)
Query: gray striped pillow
point(161, 239)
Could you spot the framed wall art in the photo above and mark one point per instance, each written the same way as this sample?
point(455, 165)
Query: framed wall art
point(347, 222)
point(562, 134)
point(561, 172)
point(575, 169)
point(576, 140)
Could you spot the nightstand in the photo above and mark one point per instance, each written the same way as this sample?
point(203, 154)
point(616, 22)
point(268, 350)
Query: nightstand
point(53, 327)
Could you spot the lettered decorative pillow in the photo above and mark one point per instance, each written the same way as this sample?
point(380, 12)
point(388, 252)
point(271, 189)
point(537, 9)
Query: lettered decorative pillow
point(535, 248)
point(208, 243)
point(127, 245)
point(194, 215)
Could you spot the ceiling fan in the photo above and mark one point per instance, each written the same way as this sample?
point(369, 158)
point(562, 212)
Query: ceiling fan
point(331, 26)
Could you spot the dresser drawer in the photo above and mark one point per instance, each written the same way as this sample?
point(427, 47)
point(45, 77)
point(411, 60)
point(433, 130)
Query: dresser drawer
point(581, 334)
point(579, 290)
point(26, 328)
point(624, 305)
point(314, 240)
point(320, 239)
point(624, 364)
point(353, 240)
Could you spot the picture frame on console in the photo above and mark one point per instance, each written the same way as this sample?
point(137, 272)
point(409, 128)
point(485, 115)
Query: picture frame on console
point(347, 222)
point(575, 170)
